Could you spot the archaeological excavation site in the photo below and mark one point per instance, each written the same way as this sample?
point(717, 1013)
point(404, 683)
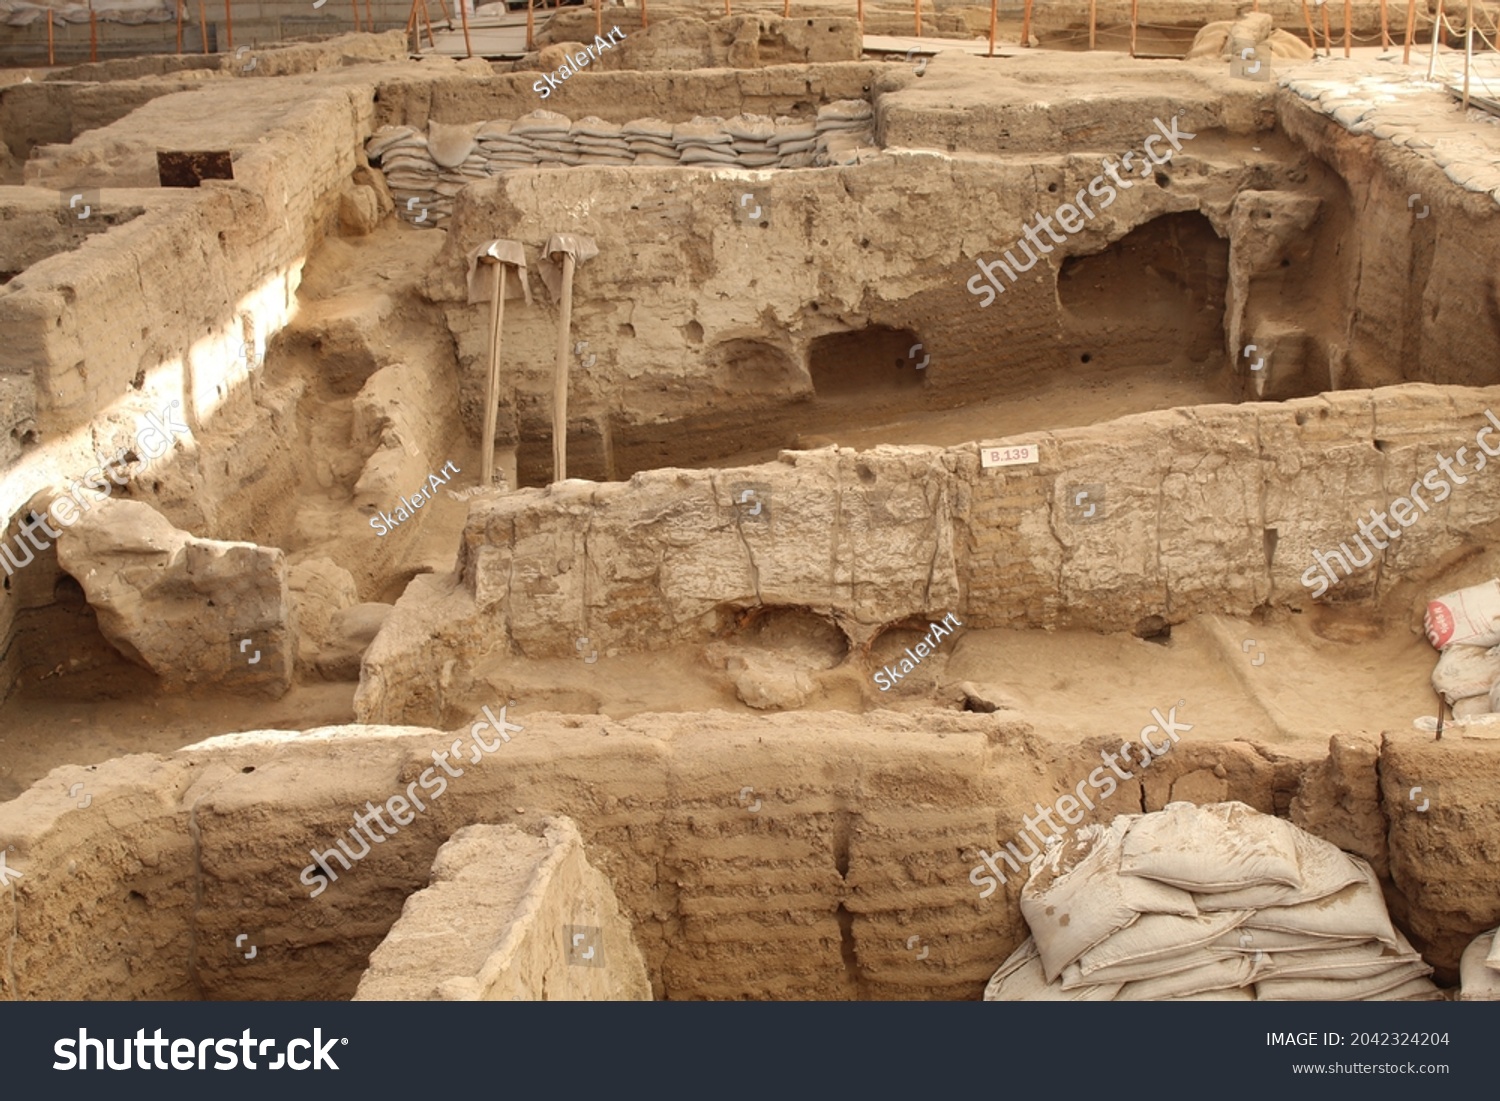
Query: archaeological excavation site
point(782, 502)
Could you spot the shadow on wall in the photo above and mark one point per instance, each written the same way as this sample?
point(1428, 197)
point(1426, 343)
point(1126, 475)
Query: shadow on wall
point(1155, 296)
point(875, 361)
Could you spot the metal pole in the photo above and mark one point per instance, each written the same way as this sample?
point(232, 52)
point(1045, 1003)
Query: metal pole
point(1468, 50)
point(560, 375)
point(1436, 26)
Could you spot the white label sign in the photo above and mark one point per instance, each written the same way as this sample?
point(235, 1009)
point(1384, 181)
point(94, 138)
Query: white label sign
point(1014, 454)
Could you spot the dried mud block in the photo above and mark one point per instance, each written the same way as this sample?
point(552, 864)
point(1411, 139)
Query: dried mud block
point(196, 612)
point(510, 916)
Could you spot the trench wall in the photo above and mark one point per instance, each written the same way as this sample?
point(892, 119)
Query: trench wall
point(1219, 508)
point(857, 835)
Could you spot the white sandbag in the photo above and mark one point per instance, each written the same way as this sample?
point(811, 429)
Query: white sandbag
point(1267, 941)
point(1466, 616)
point(1322, 866)
point(1219, 847)
point(1075, 896)
point(1493, 959)
point(1473, 707)
point(1466, 671)
point(1020, 979)
point(1155, 936)
point(1340, 990)
point(1356, 911)
point(1232, 994)
point(1478, 981)
point(1219, 974)
point(1366, 960)
point(1414, 990)
point(1073, 976)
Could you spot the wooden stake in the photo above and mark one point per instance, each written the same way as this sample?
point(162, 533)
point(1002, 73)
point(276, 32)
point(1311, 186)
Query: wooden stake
point(1437, 25)
point(463, 14)
point(228, 27)
point(786, 9)
point(1411, 30)
point(530, 35)
point(859, 12)
point(1093, 20)
point(50, 59)
point(994, 16)
point(1348, 25)
point(94, 33)
point(1385, 27)
point(1327, 34)
point(1312, 35)
point(427, 18)
point(369, 19)
point(560, 374)
point(1026, 24)
point(599, 16)
point(644, 21)
point(355, 5)
point(492, 386)
point(203, 25)
point(1468, 50)
point(917, 7)
point(179, 26)
point(728, 13)
point(1134, 12)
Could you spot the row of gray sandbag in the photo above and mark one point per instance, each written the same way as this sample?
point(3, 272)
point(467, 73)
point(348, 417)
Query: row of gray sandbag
point(426, 170)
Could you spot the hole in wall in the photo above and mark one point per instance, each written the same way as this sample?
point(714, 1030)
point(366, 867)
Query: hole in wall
point(867, 361)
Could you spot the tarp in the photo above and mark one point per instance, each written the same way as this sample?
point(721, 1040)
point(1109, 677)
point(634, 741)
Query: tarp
point(23, 13)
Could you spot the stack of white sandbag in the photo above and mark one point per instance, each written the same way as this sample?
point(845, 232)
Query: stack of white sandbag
point(1479, 969)
point(426, 171)
point(1465, 627)
point(1218, 902)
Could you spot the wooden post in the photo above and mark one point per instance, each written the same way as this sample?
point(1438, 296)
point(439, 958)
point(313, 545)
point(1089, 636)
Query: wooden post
point(1134, 12)
point(463, 14)
point(1327, 34)
point(727, 12)
point(1026, 24)
point(994, 16)
point(560, 374)
point(1312, 35)
point(644, 21)
point(786, 9)
point(1093, 20)
point(1385, 27)
point(1437, 25)
point(859, 13)
point(355, 5)
point(228, 27)
point(50, 59)
point(492, 388)
point(369, 19)
point(530, 25)
point(1348, 25)
point(203, 24)
point(917, 8)
point(599, 16)
point(427, 18)
point(94, 33)
point(1411, 30)
point(1468, 50)
point(179, 26)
